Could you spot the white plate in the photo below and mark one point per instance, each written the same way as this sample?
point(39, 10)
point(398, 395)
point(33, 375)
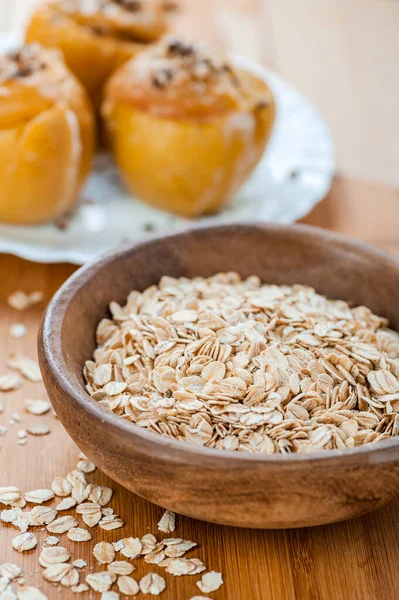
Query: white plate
point(293, 176)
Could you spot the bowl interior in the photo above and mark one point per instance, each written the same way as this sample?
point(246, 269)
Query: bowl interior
point(335, 266)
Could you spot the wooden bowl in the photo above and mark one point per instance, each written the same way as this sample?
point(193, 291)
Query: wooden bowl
point(215, 485)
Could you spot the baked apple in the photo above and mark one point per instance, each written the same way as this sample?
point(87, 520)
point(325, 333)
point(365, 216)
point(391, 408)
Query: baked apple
point(187, 128)
point(97, 36)
point(46, 136)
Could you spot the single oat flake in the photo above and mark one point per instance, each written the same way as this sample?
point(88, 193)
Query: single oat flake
point(101, 582)
point(61, 486)
point(243, 366)
point(78, 534)
point(80, 589)
point(121, 567)
point(104, 552)
point(128, 585)
point(38, 429)
point(18, 330)
point(26, 366)
point(51, 540)
point(62, 524)
point(55, 573)
point(42, 515)
point(10, 495)
point(210, 582)
point(66, 504)
point(51, 555)
point(131, 547)
point(24, 541)
point(110, 596)
point(168, 522)
point(152, 583)
point(28, 592)
point(36, 407)
point(79, 563)
point(39, 496)
point(10, 382)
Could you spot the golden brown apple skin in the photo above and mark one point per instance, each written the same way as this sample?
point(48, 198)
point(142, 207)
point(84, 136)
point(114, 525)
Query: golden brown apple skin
point(46, 147)
point(187, 166)
point(92, 56)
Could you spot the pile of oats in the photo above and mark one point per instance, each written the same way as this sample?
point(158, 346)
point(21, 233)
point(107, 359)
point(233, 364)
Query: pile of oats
point(238, 365)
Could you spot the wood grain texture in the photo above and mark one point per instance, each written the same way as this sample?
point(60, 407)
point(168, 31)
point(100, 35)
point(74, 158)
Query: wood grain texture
point(356, 560)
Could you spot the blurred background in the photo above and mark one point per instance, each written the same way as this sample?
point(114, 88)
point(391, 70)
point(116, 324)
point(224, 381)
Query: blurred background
point(344, 57)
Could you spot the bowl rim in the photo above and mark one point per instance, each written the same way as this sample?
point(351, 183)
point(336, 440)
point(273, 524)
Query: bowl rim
point(50, 344)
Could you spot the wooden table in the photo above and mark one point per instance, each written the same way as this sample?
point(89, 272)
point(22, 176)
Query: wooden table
point(356, 560)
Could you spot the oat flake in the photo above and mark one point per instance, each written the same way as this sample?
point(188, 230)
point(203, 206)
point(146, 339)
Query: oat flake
point(210, 582)
point(152, 583)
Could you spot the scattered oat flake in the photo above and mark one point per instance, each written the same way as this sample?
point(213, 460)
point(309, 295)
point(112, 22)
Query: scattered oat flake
point(101, 582)
point(21, 502)
point(118, 545)
point(110, 523)
point(17, 330)
point(128, 585)
point(63, 524)
point(23, 523)
point(79, 589)
point(88, 508)
point(9, 515)
point(78, 534)
point(24, 541)
point(38, 429)
point(36, 407)
point(26, 366)
point(121, 567)
point(9, 495)
point(110, 596)
point(61, 486)
point(66, 504)
point(51, 540)
point(104, 553)
point(86, 466)
point(20, 300)
point(9, 571)
point(51, 555)
point(152, 583)
point(183, 566)
point(76, 476)
point(55, 573)
point(131, 547)
point(81, 491)
point(28, 592)
point(39, 496)
point(148, 542)
point(71, 578)
point(101, 494)
point(167, 524)
point(10, 382)
point(42, 515)
point(200, 598)
point(210, 582)
point(179, 548)
point(79, 563)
